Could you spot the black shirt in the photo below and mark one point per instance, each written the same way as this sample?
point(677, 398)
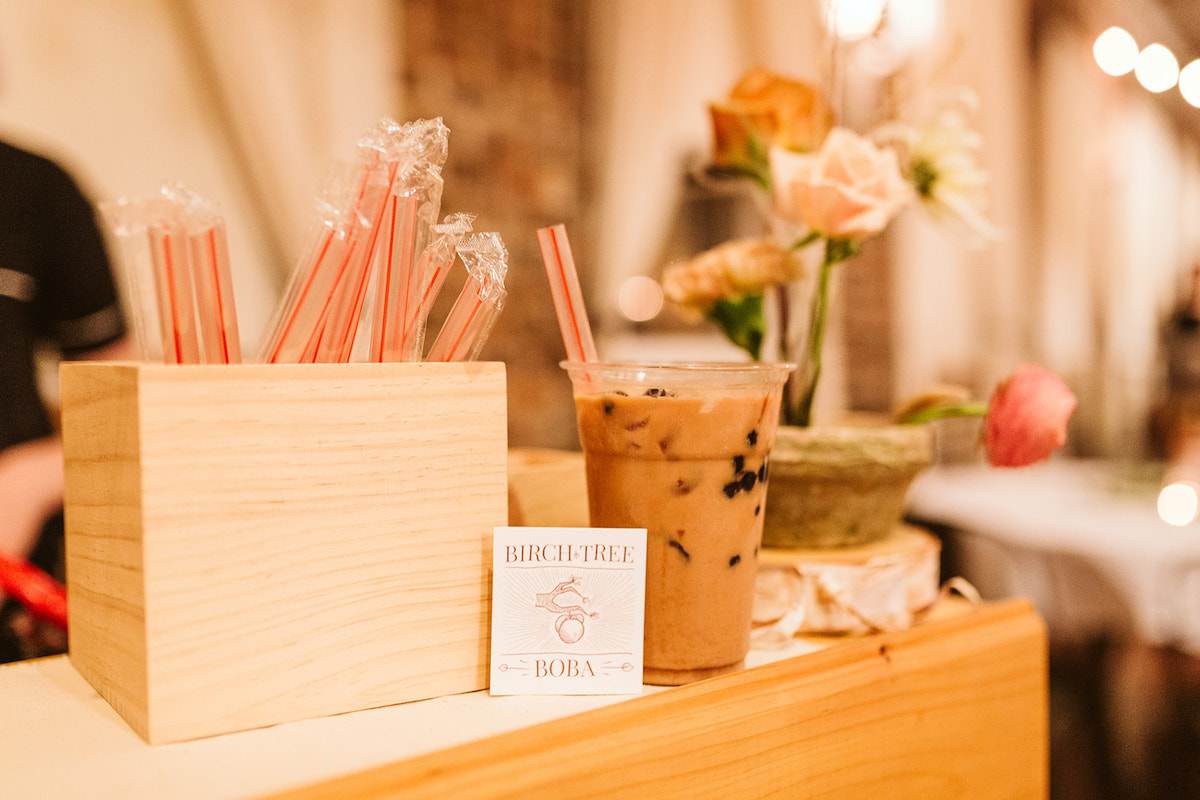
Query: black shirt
point(56, 283)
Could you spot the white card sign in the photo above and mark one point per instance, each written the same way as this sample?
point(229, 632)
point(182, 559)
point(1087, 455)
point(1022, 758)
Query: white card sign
point(568, 606)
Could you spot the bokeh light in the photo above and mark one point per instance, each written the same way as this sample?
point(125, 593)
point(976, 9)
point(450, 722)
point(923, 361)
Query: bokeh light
point(640, 298)
point(853, 19)
point(1157, 70)
point(915, 23)
point(1116, 52)
point(1189, 83)
point(1178, 503)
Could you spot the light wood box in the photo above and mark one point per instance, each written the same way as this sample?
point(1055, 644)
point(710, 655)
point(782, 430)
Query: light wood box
point(255, 544)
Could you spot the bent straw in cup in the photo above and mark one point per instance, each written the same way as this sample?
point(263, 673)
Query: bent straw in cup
point(568, 298)
point(682, 450)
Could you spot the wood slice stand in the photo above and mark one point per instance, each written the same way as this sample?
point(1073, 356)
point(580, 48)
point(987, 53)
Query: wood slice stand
point(881, 586)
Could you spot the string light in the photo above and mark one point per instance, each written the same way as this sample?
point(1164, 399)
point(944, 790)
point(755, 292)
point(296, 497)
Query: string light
point(1189, 83)
point(1156, 70)
point(1155, 66)
point(1115, 51)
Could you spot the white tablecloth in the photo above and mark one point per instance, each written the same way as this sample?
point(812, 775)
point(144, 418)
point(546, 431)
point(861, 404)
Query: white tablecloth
point(1082, 539)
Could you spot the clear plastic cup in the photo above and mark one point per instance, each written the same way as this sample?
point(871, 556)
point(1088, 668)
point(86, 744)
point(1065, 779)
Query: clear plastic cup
point(681, 450)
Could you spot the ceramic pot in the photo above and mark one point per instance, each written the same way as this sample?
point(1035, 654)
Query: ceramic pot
point(833, 486)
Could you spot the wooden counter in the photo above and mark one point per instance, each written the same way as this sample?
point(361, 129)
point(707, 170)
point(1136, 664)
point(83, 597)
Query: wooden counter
point(956, 707)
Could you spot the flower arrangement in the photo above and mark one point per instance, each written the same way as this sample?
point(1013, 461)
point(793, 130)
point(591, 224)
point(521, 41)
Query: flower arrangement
point(828, 187)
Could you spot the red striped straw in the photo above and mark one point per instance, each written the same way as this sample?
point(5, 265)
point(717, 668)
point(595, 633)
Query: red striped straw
point(318, 277)
point(214, 295)
point(568, 298)
point(393, 292)
point(218, 249)
point(434, 267)
point(462, 325)
point(168, 252)
point(303, 311)
point(341, 319)
point(160, 257)
point(410, 303)
point(337, 340)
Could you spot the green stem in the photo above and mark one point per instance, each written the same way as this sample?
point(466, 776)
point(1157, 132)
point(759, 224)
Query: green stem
point(975, 409)
point(836, 251)
point(811, 237)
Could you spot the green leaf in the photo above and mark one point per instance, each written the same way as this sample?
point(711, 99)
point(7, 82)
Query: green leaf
point(839, 250)
point(742, 321)
point(944, 411)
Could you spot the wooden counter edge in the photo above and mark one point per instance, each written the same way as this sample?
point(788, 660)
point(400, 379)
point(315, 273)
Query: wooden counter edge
point(955, 707)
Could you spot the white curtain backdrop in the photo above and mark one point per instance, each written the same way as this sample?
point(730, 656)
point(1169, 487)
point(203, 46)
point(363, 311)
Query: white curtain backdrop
point(244, 101)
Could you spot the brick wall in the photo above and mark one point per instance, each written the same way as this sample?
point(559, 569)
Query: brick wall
point(507, 78)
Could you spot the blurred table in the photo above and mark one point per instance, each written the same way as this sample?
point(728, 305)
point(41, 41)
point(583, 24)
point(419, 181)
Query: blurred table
point(1119, 590)
point(1081, 538)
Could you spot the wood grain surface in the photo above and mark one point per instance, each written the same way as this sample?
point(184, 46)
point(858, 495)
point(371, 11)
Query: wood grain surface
point(955, 708)
point(254, 544)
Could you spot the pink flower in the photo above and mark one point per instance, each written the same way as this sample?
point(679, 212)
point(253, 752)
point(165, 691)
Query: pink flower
point(1027, 417)
point(849, 189)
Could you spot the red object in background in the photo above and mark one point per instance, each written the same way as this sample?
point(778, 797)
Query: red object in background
point(43, 596)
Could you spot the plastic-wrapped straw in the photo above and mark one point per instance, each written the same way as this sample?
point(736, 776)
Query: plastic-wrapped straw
point(212, 283)
point(341, 321)
point(395, 271)
point(319, 317)
point(568, 297)
point(177, 260)
point(127, 223)
point(214, 292)
point(419, 150)
point(295, 331)
point(388, 343)
point(478, 305)
point(173, 281)
point(435, 266)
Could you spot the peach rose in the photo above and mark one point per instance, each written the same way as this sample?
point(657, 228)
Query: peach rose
point(765, 109)
point(849, 189)
point(740, 267)
point(1027, 417)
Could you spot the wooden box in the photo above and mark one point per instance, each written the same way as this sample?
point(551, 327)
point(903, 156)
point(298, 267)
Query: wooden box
point(255, 544)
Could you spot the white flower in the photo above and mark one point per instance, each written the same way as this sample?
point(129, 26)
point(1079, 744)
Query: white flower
point(940, 162)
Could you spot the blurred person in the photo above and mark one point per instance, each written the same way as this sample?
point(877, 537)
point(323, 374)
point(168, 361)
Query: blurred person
point(57, 291)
